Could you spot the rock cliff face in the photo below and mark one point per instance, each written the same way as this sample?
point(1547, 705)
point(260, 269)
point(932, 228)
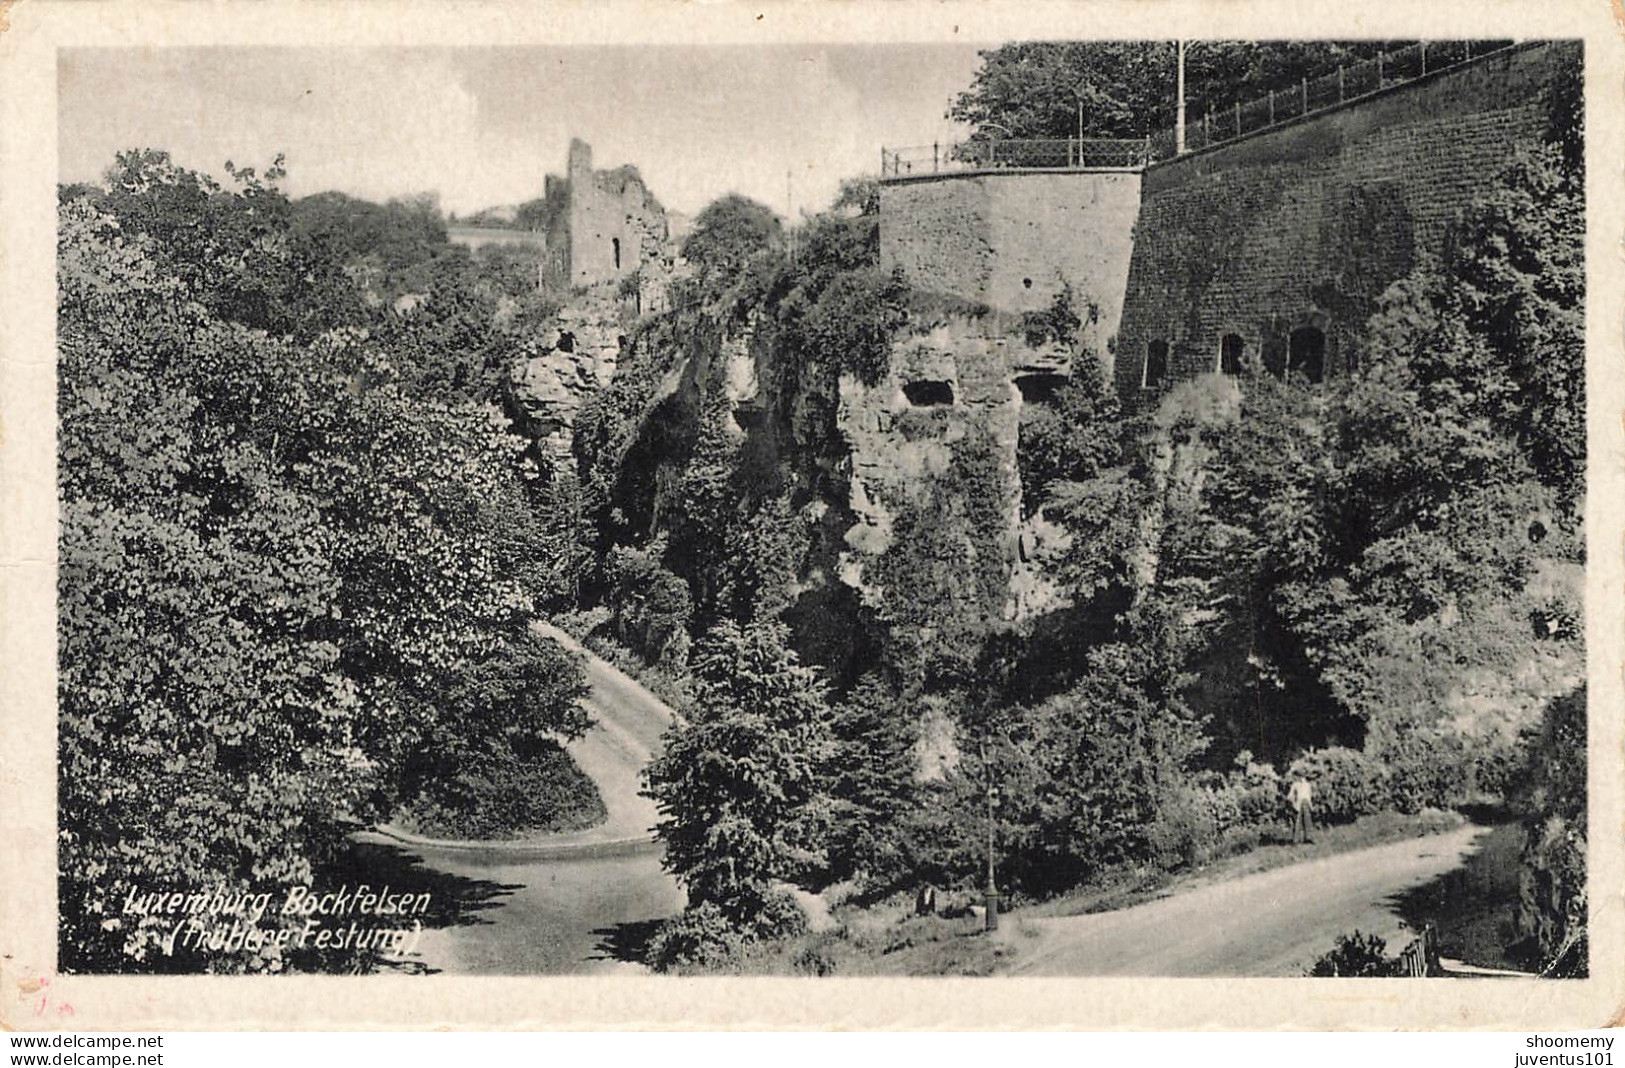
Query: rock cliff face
point(564, 366)
point(959, 384)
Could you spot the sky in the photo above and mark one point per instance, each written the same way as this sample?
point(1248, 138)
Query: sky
point(784, 124)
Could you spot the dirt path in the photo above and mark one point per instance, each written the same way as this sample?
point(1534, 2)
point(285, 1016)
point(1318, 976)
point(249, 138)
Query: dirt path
point(1274, 923)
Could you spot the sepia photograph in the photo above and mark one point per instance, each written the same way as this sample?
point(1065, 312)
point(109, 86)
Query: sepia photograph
point(1003, 508)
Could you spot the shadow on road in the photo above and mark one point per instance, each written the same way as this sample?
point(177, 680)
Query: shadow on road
point(1473, 905)
point(454, 900)
point(626, 942)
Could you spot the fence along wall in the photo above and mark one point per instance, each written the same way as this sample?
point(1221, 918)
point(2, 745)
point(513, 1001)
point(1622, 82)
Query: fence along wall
point(1011, 240)
point(1283, 240)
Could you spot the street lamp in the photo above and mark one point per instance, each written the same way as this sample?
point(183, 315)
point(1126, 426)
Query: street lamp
point(991, 921)
point(1179, 119)
point(992, 141)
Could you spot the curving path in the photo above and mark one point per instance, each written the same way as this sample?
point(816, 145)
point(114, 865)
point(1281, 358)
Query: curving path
point(558, 904)
point(1273, 923)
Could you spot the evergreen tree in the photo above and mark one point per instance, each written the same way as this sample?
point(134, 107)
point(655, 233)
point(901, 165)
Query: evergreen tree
point(741, 785)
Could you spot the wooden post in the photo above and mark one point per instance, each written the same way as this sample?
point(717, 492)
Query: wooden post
point(1424, 58)
point(1340, 83)
point(1305, 110)
point(935, 165)
point(1238, 118)
point(1272, 107)
point(1380, 57)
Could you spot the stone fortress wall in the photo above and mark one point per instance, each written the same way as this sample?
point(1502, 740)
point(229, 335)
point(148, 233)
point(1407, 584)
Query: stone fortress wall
point(1011, 240)
point(1261, 252)
point(615, 225)
point(1282, 242)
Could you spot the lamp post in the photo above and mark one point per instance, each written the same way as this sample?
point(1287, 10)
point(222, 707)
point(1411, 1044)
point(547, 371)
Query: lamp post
point(1077, 93)
point(1179, 116)
point(992, 142)
point(991, 898)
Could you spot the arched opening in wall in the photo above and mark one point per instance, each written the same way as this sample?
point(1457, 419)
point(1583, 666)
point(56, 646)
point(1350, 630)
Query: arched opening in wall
point(1230, 347)
point(616, 242)
point(928, 393)
point(1274, 356)
point(1155, 368)
point(1307, 353)
point(1040, 387)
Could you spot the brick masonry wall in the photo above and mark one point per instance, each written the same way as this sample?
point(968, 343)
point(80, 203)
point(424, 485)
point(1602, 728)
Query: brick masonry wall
point(1306, 225)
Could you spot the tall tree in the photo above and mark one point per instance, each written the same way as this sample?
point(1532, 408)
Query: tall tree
point(289, 595)
point(741, 786)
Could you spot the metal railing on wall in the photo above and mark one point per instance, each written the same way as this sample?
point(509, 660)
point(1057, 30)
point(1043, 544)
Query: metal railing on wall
point(1341, 86)
point(1212, 127)
point(1068, 153)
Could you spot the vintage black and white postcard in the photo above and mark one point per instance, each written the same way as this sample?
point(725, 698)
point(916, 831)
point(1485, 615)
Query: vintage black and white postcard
point(983, 515)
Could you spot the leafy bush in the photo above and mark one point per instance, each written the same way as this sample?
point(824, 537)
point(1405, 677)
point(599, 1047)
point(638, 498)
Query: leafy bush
point(777, 915)
point(1072, 438)
point(1186, 829)
point(1553, 905)
point(1106, 776)
point(815, 960)
point(1260, 794)
point(506, 795)
point(1058, 323)
point(1357, 956)
point(1426, 769)
point(700, 937)
point(850, 325)
point(651, 605)
point(1347, 784)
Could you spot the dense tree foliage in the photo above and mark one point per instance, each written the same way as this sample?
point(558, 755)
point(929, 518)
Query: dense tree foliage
point(1553, 901)
point(1036, 89)
point(1075, 438)
point(292, 593)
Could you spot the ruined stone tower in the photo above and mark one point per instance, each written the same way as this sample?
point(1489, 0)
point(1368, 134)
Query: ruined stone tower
point(615, 224)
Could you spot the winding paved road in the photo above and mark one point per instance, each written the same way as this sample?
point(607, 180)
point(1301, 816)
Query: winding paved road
point(560, 905)
point(550, 905)
point(1274, 923)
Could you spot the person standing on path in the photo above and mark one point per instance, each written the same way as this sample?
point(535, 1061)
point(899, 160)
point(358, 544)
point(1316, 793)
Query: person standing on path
point(1301, 797)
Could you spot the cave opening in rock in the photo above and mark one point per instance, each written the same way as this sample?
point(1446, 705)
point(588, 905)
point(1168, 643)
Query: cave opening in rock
point(1040, 387)
point(566, 342)
point(928, 393)
point(1230, 348)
